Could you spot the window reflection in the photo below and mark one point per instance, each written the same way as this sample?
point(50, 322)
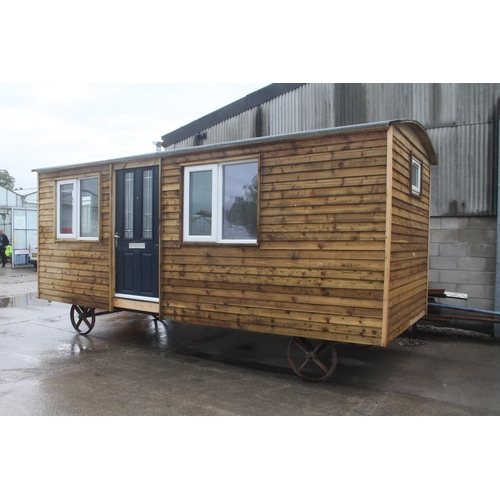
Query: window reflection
point(66, 209)
point(240, 202)
point(88, 208)
point(200, 203)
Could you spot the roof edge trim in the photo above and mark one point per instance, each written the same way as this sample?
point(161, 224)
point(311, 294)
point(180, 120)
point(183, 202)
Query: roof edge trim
point(241, 142)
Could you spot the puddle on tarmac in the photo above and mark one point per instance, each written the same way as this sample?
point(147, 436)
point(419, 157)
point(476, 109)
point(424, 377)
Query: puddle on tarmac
point(25, 300)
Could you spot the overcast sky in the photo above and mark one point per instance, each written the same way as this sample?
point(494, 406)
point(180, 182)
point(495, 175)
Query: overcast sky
point(45, 125)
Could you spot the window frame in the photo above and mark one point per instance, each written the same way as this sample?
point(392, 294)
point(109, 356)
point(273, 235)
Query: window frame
point(217, 170)
point(76, 210)
point(416, 189)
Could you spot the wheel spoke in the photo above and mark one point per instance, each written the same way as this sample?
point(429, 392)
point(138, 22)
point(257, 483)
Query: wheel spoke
point(321, 347)
point(304, 364)
point(303, 344)
point(321, 365)
point(305, 353)
point(81, 315)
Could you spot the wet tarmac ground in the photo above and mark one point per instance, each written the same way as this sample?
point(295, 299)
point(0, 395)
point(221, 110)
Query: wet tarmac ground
point(131, 364)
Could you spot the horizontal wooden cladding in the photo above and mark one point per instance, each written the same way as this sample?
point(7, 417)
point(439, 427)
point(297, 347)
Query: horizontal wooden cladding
point(324, 301)
point(326, 190)
point(360, 198)
point(409, 245)
point(277, 325)
point(90, 287)
point(353, 261)
point(324, 154)
point(347, 246)
point(286, 277)
point(231, 288)
point(406, 314)
point(324, 227)
point(324, 187)
point(78, 254)
point(74, 271)
point(331, 218)
point(263, 310)
point(90, 279)
point(320, 172)
point(291, 209)
point(67, 296)
point(342, 144)
point(405, 139)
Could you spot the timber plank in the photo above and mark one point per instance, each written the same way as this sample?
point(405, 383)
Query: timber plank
point(291, 326)
point(326, 183)
point(331, 273)
point(283, 281)
point(325, 147)
point(324, 192)
point(310, 227)
point(353, 293)
point(317, 262)
point(329, 170)
point(337, 156)
point(292, 209)
point(314, 303)
point(277, 314)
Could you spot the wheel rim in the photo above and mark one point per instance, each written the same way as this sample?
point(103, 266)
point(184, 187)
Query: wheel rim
point(82, 319)
point(311, 359)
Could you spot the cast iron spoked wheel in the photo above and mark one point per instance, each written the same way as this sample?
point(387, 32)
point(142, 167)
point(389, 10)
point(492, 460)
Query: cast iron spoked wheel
point(313, 360)
point(82, 319)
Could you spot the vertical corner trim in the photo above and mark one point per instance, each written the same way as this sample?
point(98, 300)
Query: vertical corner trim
point(388, 237)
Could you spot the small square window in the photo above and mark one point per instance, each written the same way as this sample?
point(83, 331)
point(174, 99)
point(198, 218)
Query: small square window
point(416, 176)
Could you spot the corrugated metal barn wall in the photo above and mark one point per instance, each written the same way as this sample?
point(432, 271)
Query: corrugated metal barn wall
point(461, 119)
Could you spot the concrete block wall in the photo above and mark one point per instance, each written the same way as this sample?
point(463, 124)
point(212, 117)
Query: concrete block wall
point(463, 258)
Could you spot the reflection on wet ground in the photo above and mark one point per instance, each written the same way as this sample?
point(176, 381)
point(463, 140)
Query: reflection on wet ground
point(27, 299)
point(131, 363)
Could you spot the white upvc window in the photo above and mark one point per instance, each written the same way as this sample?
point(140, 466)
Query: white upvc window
point(78, 209)
point(416, 176)
point(220, 202)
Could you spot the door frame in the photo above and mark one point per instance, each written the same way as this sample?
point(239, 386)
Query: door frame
point(130, 302)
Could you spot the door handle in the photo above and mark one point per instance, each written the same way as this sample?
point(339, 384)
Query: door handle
point(117, 237)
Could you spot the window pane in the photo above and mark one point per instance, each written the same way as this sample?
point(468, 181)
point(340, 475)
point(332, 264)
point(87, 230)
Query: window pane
point(416, 168)
point(32, 220)
point(240, 202)
point(66, 209)
point(200, 203)
point(88, 208)
point(147, 204)
point(129, 205)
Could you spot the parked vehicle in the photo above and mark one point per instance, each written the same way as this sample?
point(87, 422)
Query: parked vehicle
point(33, 255)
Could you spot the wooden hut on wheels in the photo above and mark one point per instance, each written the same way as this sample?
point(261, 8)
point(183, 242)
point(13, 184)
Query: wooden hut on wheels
point(321, 236)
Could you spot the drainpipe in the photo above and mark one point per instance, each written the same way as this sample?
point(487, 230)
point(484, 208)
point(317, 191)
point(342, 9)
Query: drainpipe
point(497, 273)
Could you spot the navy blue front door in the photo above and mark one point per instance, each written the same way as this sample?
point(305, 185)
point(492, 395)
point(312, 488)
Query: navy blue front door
point(136, 237)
